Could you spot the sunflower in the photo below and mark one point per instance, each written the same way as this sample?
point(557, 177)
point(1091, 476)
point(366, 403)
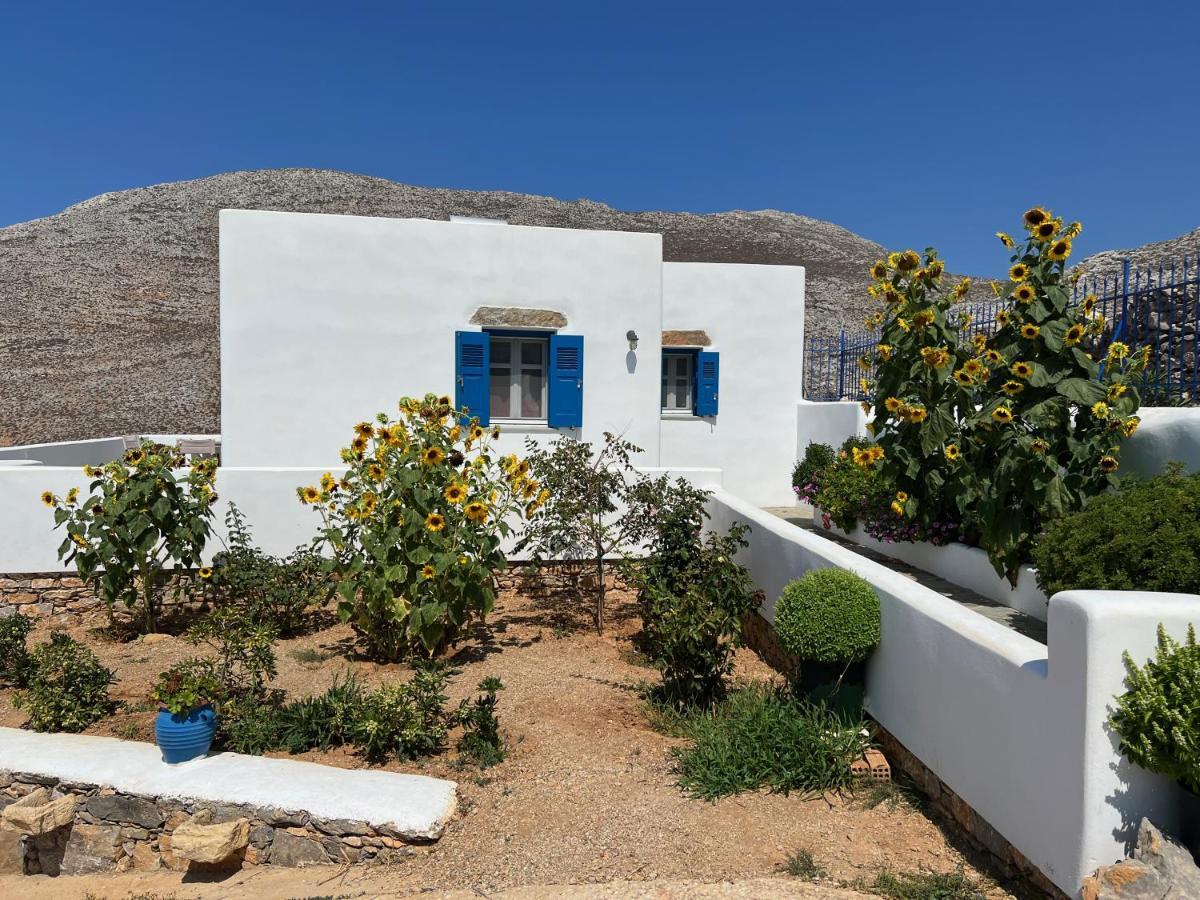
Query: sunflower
point(1100, 409)
point(1074, 230)
point(205, 572)
point(1046, 231)
point(1024, 292)
point(936, 269)
point(864, 385)
point(1005, 239)
point(309, 494)
point(375, 471)
point(369, 502)
point(428, 571)
point(48, 498)
point(384, 433)
point(1060, 249)
point(864, 363)
point(1089, 304)
point(1029, 331)
point(1115, 391)
point(962, 377)
point(884, 351)
point(935, 357)
point(995, 286)
point(135, 457)
point(923, 318)
point(530, 489)
point(1108, 464)
point(1002, 414)
point(1022, 369)
point(1039, 446)
point(893, 404)
point(1035, 216)
point(993, 357)
point(902, 496)
point(1130, 425)
point(495, 432)
point(1002, 318)
point(476, 511)
point(879, 270)
point(1019, 272)
point(973, 366)
point(903, 325)
point(1074, 335)
point(917, 414)
point(455, 493)
point(475, 433)
point(435, 521)
point(73, 496)
point(951, 452)
point(897, 508)
point(907, 261)
point(1118, 350)
point(364, 429)
point(80, 540)
point(979, 341)
point(444, 400)
point(1012, 388)
point(91, 472)
point(328, 482)
point(432, 456)
point(891, 296)
point(359, 445)
point(960, 289)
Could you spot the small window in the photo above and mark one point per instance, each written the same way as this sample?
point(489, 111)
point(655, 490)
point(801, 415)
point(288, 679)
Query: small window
point(517, 378)
point(678, 382)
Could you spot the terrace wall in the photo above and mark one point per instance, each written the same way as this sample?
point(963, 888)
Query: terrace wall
point(1015, 729)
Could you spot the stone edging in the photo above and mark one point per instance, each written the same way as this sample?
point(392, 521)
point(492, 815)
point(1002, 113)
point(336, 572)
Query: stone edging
point(113, 830)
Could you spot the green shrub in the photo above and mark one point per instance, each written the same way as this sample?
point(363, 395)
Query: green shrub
point(801, 864)
point(404, 720)
point(481, 740)
point(14, 654)
point(853, 487)
point(244, 650)
point(817, 458)
point(1145, 537)
point(828, 616)
point(187, 685)
point(1158, 718)
point(324, 721)
point(764, 737)
point(926, 886)
point(68, 686)
point(692, 619)
point(249, 726)
point(276, 592)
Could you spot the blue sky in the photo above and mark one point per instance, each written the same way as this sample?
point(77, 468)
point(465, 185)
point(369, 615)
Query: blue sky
point(912, 124)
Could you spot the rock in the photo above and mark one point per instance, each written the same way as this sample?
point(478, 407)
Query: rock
point(390, 856)
point(91, 848)
point(144, 857)
point(1160, 869)
point(204, 843)
point(35, 817)
point(341, 827)
point(291, 850)
point(260, 835)
point(12, 853)
point(126, 810)
point(282, 818)
point(156, 638)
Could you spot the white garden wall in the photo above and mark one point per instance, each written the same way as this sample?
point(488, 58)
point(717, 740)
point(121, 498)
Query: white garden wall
point(1167, 434)
point(754, 316)
point(66, 453)
point(827, 423)
point(1015, 728)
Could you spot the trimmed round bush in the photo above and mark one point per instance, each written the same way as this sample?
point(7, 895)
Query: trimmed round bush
point(828, 615)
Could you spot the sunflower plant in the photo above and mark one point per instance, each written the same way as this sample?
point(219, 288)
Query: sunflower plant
point(415, 525)
point(1007, 431)
point(146, 517)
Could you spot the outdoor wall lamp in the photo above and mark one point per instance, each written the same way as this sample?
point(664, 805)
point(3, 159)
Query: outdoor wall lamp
point(632, 337)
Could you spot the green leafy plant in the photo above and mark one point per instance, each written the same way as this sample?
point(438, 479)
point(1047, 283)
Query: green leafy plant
point(807, 471)
point(404, 720)
point(598, 506)
point(1003, 432)
point(15, 661)
point(273, 591)
point(828, 615)
point(143, 517)
point(926, 886)
point(761, 736)
point(853, 487)
point(801, 864)
point(67, 687)
point(187, 685)
point(1145, 537)
point(250, 725)
point(1158, 718)
point(415, 525)
point(323, 721)
point(692, 616)
point(244, 652)
point(481, 739)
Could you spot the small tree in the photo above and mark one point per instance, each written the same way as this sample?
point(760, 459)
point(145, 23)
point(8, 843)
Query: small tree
point(599, 506)
point(143, 517)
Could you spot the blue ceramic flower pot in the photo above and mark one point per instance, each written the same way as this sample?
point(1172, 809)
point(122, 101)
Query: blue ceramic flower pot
point(182, 737)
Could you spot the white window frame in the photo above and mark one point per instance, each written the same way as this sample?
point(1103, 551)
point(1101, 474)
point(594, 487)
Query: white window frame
point(668, 398)
point(515, 368)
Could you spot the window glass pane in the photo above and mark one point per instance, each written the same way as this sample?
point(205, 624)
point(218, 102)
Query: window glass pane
point(532, 353)
point(683, 393)
point(500, 384)
point(501, 352)
point(533, 383)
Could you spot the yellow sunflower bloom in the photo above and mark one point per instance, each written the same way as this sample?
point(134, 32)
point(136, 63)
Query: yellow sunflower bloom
point(1130, 425)
point(1022, 369)
point(864, 363)
point(893, 404)
point(1074, 230)
point(1045, 232)
point(879, 270)
point(897, 508)
point(80, 540)
point(328, 482)
point(432, 456)
point(1118, 350)
point(917, 414)
point(455, 493)
point(375, 471)
point(1024, 292)
point(364, 429)
point(903, 325)
point(1108, 464)
point(309, 494)
point(1002, 414)
point(205, 572)
point(908, 261)
point(476, 511)
point(1002, 318)
point(1019, 272)
point(1115, 391)
point(973, 366)
point(1089, 304)
point(1039, 446)
point(993, 357)
point(435, 522)
point(1100, 409)
point(884, 351)
point(962, 377)
point(359, 445)
point(1059, 250)
point(1029, 331)
point(48, 498)
point(1012, 388)
point(902, 496)
point(1005, 239)
point(951, 452)
point(1035, 216)
point(1074, 335)
point(428, 571)
point(923, 317)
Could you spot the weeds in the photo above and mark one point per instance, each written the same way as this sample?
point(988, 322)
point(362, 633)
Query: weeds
point(926, 886)
point(802, 865)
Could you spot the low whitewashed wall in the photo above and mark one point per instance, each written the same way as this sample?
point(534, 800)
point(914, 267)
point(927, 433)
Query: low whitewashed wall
point(66, 453)
point(1016, 729)
point(968, 567)
point(827, 423)
point(1167, 434)
point(267, 496)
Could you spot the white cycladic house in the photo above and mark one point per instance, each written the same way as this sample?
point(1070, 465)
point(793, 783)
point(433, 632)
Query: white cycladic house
point(327, 320)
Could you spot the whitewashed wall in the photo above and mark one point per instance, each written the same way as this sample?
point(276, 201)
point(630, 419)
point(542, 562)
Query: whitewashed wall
point(326, 320)
point(827, 423)
point(66, 453)
point(1167, 434)
point(754, 316)
point(1015, 728)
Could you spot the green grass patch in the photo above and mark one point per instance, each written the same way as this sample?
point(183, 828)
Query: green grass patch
point(802, 865)
point(926, 886)
point(762, 736)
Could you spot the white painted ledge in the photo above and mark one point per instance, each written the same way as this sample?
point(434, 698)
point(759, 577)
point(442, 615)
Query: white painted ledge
point(413, 806)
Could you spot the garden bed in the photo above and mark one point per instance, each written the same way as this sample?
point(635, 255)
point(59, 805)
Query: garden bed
point(588, 792)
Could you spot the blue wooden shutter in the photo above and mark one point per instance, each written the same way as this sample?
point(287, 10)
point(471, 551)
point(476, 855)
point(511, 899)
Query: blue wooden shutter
point(566, 381)
point(471, 358)
point(708, 376)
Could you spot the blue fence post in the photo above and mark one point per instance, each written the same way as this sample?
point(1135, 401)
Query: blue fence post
point(1124, 290)
point(841, 384)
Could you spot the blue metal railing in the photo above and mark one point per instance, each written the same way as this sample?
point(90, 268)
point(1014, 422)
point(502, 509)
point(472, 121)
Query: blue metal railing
point(1157, 307)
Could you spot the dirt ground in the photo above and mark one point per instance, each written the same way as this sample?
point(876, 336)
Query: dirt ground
point(586, 795)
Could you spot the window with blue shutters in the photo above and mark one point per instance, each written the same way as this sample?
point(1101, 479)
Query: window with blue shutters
point(471, 356)
point(520, 377)
point(566, 381)
point(689, 382)
point(708, 376)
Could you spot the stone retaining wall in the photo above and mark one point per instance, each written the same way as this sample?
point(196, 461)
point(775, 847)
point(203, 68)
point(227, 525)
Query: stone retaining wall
point(46, 594)
point(111, 830)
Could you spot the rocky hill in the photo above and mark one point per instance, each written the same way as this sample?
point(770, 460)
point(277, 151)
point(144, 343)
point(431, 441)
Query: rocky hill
point(1107, 264)
point(108, 310)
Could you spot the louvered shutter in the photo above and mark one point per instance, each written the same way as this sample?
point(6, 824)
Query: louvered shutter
point(566, 381)
point(471, 373)
point(708, 376)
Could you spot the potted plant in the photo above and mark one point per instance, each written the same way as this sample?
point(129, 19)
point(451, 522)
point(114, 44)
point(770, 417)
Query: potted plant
point(186, 720)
